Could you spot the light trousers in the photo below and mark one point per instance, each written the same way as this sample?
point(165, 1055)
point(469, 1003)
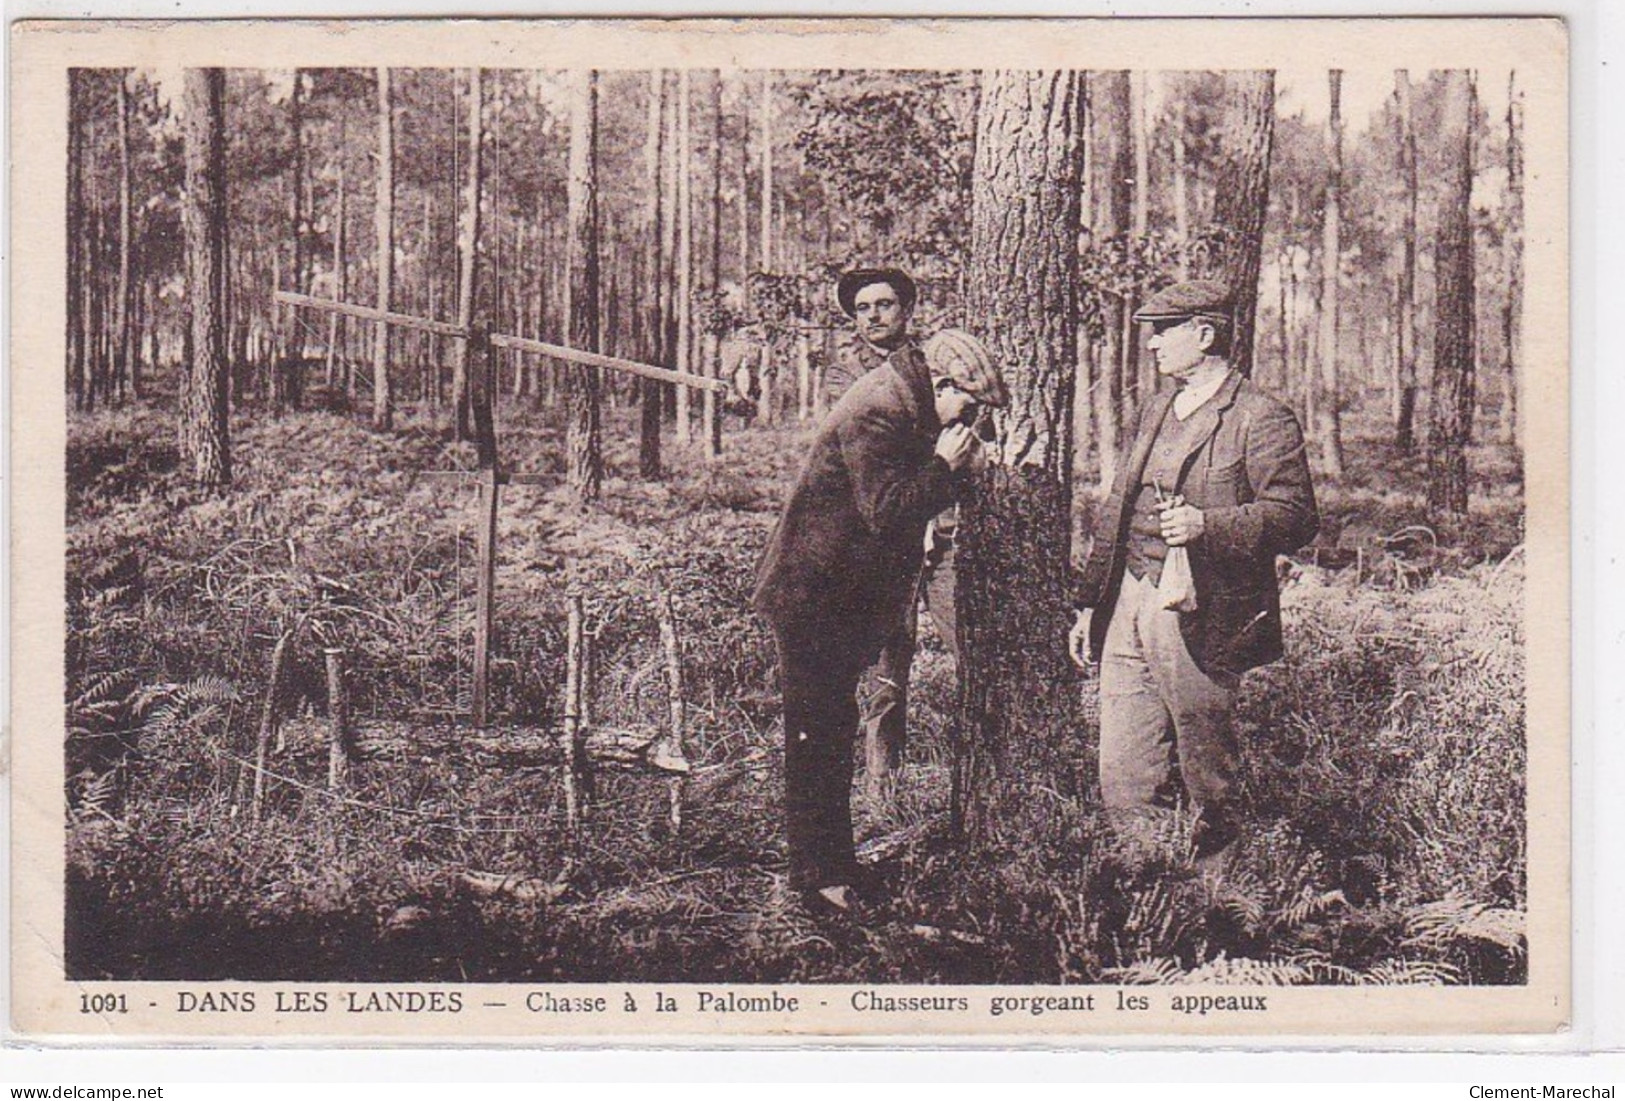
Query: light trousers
point(1162, 719)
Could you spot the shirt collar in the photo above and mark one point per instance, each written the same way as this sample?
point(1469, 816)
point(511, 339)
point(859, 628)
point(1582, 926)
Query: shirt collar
point(1200, 390)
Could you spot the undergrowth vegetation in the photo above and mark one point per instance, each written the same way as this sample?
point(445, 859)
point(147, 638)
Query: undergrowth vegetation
point(1384, 758)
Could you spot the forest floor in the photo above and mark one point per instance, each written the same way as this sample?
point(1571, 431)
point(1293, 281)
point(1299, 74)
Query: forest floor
point(1384, 758)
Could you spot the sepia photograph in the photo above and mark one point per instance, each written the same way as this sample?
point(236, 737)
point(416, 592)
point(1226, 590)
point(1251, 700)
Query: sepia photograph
point(966, 545)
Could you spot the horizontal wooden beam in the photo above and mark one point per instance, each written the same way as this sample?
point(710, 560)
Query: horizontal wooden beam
point(518, 478)
point(613, 363)
point(368, 313)
point(514, 343)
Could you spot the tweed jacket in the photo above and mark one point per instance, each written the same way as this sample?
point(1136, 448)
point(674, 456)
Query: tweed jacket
point(845, 556)
point(1246, 470)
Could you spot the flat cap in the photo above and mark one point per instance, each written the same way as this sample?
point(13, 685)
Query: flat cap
point(959, 357)
point(1204, 298)
point(848, 286)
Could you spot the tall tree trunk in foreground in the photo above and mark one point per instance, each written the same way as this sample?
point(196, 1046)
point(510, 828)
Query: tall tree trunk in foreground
point(1452, 396)
point(1017, 693)
point(383, 401)
point(205, 438)
point(1405, 352)
point(1241, 198)
point(1329, 431)
point(583, 437)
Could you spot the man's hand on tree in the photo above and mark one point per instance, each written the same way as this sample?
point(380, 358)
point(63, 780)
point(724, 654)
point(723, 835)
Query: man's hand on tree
point(1077, 639)
point(955, 446)
point(1181, 523)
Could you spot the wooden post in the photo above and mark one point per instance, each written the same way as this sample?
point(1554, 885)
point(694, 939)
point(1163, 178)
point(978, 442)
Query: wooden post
point(570, 740)
point(339, 747)
point(490, 492)
point(670, 755)
point(262, 744)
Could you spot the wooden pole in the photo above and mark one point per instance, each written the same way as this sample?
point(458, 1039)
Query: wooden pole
point(490, 490)
point(515, 343)
point(671, 755)
point(340, 751)
point(262, 744)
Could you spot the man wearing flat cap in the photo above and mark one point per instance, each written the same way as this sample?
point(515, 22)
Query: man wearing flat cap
point(842, 565)
point(1217, 468)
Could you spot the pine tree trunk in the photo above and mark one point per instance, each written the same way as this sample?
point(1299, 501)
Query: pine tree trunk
point(583, 443)
point(1139, 372)
point(1110, 111)
point(1330, 428)
point(766, 124)
point(1018, 695)
point(653, 324)
point(469, 251)
point(335, 321)
point(383, 400)
point(76, 225)
point(712, 418)
point(123, 368)
point(1512, 308)
point(685, 257)
point(1241, 198)
point(1405, 415)
point(1182, 213)
point(205, 438)
point(1452, 392)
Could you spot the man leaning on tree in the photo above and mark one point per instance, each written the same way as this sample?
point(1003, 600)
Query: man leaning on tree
point(843, 564)
point(1178, 596)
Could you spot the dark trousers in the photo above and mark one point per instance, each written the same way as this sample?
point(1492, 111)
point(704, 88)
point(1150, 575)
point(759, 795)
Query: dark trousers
point(819, 672)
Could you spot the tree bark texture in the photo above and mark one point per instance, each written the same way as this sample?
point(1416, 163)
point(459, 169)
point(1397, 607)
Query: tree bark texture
point(383, 400)
point(1017, 694)
point(205, 435)
point(583, 435)
point(1241, 198)
point(1452, 391)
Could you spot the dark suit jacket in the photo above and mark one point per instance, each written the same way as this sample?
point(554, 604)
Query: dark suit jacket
point(846, 554)
point(1246, 470)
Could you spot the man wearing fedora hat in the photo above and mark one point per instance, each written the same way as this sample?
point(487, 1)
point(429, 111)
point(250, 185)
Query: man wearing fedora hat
point(842, 565)
point(880, 302)
point(1218, 468)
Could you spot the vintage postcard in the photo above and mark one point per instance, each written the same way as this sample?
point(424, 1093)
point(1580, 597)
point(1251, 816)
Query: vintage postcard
point(613, 531)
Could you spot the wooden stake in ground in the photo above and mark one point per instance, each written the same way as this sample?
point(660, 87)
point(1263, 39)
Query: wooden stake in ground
point(340, 750)
point(262, 744)
point(668, 754)
point(570, 737)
